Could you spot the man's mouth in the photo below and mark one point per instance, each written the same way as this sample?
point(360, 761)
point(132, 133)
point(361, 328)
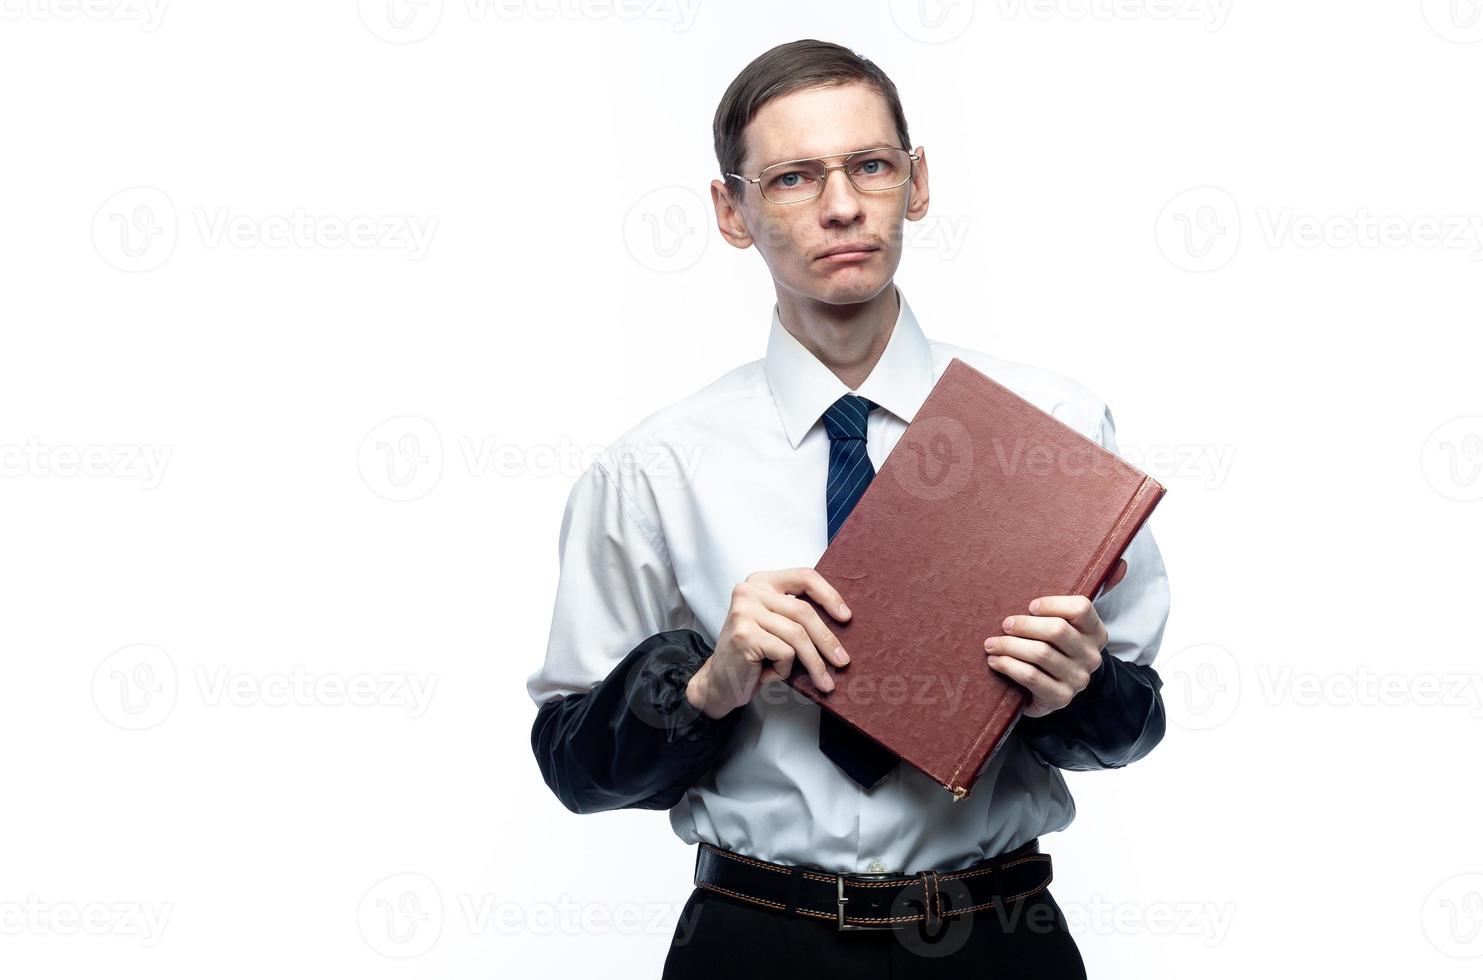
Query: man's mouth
point(848, 252)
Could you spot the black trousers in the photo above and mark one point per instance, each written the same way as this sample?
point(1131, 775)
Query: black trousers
point(720, 938)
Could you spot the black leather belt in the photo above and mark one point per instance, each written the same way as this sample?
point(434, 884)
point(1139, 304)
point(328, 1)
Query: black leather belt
point(886, 900)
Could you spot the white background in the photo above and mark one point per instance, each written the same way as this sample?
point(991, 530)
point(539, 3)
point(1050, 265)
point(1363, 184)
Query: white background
point(1252, 227)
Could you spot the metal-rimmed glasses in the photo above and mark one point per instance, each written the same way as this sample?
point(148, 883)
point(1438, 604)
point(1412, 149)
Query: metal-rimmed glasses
point(880, 168)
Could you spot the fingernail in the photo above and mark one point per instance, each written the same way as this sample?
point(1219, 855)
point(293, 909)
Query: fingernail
point(990, 643)
point(844, 610)
point(1035, 605)
point(1009, 624)
point(841, 656)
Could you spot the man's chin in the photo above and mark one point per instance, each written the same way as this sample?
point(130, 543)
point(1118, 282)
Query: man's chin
point(845, 286)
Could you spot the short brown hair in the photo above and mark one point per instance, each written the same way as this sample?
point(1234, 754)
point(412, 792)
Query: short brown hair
point(787, 68)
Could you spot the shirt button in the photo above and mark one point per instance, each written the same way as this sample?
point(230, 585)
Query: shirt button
point(876, 867)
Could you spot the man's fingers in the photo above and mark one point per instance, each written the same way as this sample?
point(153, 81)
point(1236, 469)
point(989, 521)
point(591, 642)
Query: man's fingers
point(800, 581)
point(797, 638)
point(1041, 685)
point(1042, 657)
point(819, 632)
point(1074, 609)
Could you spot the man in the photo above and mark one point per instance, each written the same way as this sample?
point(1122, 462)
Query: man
point(685, 547)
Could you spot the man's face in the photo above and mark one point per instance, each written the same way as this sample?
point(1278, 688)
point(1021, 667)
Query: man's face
point(793, 238)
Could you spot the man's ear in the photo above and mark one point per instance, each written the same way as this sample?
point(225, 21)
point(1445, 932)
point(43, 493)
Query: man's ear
point(917, 196)
point(729, 218)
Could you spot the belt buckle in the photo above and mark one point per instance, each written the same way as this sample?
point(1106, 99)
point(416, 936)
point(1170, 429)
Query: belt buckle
point(841, 900)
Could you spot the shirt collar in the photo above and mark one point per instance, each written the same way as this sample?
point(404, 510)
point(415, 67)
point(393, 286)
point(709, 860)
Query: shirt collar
point(803, 387)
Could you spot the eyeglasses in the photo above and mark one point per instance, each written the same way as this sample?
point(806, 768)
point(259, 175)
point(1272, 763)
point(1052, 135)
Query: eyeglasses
point(881, 168)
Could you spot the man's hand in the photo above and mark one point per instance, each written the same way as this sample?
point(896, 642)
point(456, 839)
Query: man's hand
point(1053, 652)
point(766, 628)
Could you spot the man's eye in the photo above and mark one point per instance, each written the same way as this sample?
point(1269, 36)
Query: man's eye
point(790, 179)
point(872, 168)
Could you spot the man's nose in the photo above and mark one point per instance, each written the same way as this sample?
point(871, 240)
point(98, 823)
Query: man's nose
point(840, 201)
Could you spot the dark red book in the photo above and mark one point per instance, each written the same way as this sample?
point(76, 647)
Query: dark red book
point(985, 503)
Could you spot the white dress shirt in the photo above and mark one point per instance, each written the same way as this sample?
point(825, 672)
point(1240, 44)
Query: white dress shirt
point(730, 480)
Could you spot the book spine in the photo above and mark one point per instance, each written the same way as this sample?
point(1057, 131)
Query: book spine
point(1008, 710)
point(1139, 504)
point(1001, 721)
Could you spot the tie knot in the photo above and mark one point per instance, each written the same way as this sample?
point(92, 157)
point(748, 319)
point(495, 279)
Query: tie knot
point(846, 418)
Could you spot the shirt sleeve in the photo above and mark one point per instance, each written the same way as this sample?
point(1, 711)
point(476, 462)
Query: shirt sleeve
point(1119, 717)
point(613, 728)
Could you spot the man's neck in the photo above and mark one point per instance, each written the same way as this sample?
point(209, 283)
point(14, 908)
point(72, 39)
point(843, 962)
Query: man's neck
point(847, 339)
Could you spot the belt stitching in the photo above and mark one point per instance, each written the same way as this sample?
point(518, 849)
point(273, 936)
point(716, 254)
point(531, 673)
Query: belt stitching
point(871, 919)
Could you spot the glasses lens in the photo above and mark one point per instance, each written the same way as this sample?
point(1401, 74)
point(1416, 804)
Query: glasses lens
point(799, 180)
point(878, 170)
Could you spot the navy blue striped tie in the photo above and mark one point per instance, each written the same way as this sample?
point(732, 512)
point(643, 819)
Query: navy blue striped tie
point(850, 472)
